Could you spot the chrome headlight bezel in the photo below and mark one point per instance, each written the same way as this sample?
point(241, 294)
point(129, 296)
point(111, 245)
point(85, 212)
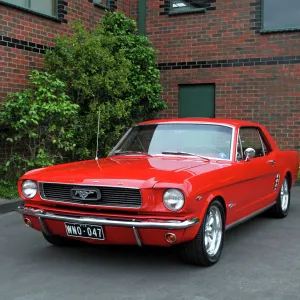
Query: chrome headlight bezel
point(173, 199)
point(31, 186)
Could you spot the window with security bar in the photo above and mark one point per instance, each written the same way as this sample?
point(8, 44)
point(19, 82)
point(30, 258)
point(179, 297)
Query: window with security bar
point(186, 5)
point(46, 7)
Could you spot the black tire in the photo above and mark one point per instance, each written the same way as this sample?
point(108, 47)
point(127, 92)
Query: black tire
point(60, 241)
point(278, 210)
point(194, 251)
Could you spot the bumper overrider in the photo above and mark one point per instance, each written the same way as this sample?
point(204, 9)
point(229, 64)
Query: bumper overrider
point(42, 215)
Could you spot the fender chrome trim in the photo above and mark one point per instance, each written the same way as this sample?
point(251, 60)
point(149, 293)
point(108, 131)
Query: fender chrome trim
point(161, 224)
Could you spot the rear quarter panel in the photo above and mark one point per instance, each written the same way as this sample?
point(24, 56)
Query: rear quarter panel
point(288, 161)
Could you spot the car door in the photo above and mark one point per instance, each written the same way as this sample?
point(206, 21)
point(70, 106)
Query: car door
point(257, 174)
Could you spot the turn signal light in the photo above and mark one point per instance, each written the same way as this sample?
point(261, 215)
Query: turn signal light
point(27, 222)
point(170, 237)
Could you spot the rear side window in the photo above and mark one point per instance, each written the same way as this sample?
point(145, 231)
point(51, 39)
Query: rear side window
point(250, 137)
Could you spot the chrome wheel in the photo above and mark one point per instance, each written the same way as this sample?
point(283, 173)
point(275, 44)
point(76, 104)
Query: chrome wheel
point(284, 195)
point(213, 231)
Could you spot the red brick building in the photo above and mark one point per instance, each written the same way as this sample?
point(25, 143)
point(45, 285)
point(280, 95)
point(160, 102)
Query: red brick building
point(218, 58)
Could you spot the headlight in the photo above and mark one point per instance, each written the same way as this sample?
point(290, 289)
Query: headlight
point(173, 199)
point(29, 189)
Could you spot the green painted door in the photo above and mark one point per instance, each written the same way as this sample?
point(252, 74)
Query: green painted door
point(197, 100)
point(142, 11)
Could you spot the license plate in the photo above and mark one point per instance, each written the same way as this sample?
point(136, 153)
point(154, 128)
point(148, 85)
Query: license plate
point(85, 231)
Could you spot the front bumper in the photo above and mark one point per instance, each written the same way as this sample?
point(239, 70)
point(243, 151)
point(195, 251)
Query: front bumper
point(170, 224)
point(138, 227)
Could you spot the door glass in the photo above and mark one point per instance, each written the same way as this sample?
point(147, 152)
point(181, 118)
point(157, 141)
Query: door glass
point(250, 138)
point(239, 150)
point(265, 147)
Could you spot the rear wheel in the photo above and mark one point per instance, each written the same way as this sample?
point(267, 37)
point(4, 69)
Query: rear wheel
point(60, 241)
point(281, 208)
point(206, 248)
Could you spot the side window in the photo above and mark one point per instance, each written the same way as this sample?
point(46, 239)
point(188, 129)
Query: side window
point(265, 147)
point(239, 150)
point(250, 138)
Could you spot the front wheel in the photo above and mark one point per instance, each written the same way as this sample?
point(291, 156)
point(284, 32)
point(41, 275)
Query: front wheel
point(206, 248)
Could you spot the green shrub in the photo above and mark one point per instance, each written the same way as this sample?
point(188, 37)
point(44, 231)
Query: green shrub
point(38, 125)
point(8, 189)
point(110, 67)
point(144, 90)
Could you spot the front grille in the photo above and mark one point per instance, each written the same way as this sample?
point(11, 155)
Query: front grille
point(110, 196)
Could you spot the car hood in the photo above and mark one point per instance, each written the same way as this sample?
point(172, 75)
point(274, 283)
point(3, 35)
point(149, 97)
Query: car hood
point(139, 172)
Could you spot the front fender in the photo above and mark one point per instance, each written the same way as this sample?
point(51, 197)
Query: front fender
point(206, 201)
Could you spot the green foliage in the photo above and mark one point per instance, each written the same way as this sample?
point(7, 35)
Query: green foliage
point(118, 24)
point(87, 63)
point(144, 90)
point(38, 125)
point(8, 190)
point(110, 67)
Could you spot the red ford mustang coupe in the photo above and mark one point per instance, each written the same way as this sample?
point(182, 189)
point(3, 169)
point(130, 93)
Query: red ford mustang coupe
point(167, 182)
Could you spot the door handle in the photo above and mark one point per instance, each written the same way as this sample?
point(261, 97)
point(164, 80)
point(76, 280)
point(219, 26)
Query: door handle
point(272, 162)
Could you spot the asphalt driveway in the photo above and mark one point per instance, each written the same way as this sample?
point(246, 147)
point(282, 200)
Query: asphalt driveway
point(261, 260)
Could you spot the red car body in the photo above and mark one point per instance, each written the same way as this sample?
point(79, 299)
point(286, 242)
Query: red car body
point(245, 188)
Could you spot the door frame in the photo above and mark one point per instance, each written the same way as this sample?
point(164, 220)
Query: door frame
point(245, 205)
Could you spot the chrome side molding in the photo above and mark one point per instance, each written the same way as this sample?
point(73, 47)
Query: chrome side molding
point(249, 217)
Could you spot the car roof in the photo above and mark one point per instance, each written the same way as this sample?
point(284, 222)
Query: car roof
point(230, 122)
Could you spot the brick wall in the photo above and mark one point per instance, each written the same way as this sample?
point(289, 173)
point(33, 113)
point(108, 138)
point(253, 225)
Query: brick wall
point(256, 74)
point(26, 35)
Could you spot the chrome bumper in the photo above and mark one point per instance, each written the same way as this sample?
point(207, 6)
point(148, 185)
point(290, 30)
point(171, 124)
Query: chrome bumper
point(170, 224)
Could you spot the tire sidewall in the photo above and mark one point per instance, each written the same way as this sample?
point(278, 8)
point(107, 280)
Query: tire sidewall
point(215, 258)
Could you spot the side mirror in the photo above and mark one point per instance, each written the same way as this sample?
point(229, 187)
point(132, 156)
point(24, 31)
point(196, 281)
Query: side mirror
point(249, 153)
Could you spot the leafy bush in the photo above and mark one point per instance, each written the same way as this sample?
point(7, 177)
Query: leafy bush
point(144, 90)
point(8, 189)
point(38, 125)
point(110, 67)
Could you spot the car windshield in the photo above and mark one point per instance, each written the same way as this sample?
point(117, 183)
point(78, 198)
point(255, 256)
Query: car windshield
point(207, 140)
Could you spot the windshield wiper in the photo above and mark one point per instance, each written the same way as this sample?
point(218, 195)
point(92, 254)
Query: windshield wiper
point(184, 153)
point(132, 152)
